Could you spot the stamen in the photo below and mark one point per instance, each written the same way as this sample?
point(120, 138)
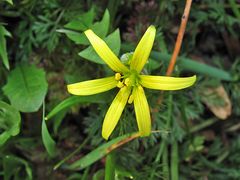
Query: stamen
point(130, 99)
point(120, 84)
point(127, 81)
point(118, 76)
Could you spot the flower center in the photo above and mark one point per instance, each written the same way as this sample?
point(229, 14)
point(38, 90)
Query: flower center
point(131, 79)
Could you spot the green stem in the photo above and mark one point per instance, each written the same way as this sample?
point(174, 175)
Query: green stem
point(174, 161)
point(110, 166)
point(160, 151)
point(72, 154)
point(165, 164)
point(163, 145)
point(203, 125)
point(164, 142)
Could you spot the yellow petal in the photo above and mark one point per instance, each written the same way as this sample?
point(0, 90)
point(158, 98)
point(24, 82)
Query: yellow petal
point(105, 52)
point(143, 49)
point(142, 111)
point(114, 112)
point(166, 83)
point(92, 86)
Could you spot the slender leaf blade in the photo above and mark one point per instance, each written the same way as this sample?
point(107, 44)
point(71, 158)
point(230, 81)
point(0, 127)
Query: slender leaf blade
point(48, 142)
point(73, 100)
point(96, 154)
point(3, 46)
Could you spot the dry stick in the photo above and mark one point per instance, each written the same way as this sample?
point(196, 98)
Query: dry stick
point(124, 141)
point(181, 32)
point(178, 44)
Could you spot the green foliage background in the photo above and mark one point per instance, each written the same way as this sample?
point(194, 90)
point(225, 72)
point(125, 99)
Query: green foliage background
point(47, 134)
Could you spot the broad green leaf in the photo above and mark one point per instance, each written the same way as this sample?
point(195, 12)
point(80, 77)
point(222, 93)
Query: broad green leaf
point(3, 46)
point(9, 1)
point(82, 22)
point(188, 64)
point(77, 37)
point(16, 168)
point(73, 100)
point(100, 28)
point(26, 88)
point(10, 121)
point(114, 43)
point(48, 142)
point(96, 154)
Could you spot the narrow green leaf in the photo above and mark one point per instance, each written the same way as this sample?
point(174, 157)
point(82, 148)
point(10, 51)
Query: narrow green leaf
point(48, 142)
point(114, 43)
point(73, 100)
point(26, 88)
point(194, 66)
point(58, 120)
point(235, 8)
point(188, 64)
point(3, 46)
point(10, 121)
point(96, 154)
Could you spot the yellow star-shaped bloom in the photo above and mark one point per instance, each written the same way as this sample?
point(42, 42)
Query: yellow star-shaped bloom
point(130, 81)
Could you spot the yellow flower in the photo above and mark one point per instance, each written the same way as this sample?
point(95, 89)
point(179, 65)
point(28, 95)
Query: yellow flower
point(130, 81)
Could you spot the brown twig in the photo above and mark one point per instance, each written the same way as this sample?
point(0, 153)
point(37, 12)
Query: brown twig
point(181, 32)
point(124, 141)
point(178, 45)
point(128, 139)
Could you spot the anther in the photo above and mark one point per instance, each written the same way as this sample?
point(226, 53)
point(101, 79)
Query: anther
point(117, 76)
point(120, 84)
point(130, 99)
point(127, 81)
